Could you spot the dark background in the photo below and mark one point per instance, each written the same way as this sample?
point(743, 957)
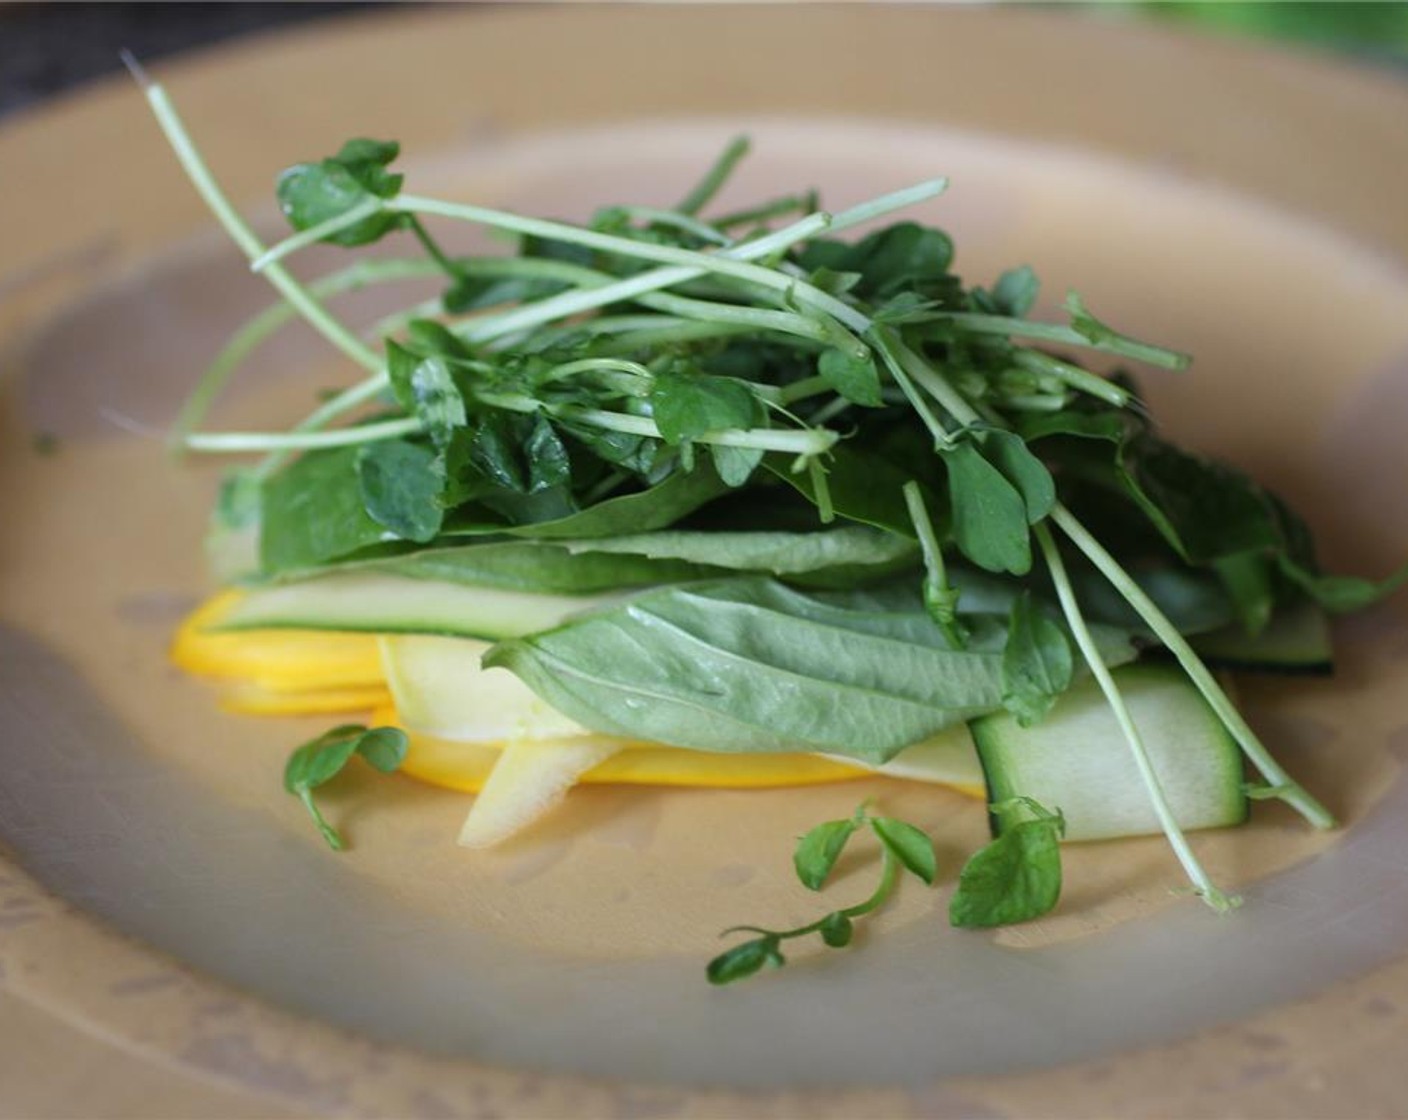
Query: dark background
point(46, 48)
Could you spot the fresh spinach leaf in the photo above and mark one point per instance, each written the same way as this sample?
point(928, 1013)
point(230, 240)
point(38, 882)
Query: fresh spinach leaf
point(400, 484)
point(313, 512)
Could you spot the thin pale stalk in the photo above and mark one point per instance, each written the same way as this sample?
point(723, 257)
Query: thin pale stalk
point(724, 263)
point(1079, 379)
point(244, 341)
point(1289, 790)
point(1205, 887)
point(301, 441)
point(313, 234)
point(715, 177)
point(1008, 327)
point(244, 237)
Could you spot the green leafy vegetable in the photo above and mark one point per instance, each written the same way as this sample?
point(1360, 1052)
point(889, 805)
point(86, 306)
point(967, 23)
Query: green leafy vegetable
point(400, 485)
point(317, 762)
point(311, 194)
point(1036, 663)
point(662, 396)
point(903, 847)
point(1016, 877)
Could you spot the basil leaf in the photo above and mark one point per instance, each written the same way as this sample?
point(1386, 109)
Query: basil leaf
point(313, 512)
point(748, 665)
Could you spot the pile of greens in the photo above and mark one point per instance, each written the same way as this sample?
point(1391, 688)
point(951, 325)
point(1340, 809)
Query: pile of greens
point(869, 499)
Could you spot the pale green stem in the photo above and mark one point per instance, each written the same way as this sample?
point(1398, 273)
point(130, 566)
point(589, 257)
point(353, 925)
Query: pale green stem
point(631, 377)
point(1079, 379)
point(810, 441)
point(715, 177)
point(300, 441)
point(803, 388)
point(313, 234)
point(244, 341)
point(766, 211)
point(574, 303)
point(723, 263)
point(924, 530)
point(1009, 327)
point(942, 439)
point(701, 230)
point(1291, 791)
point(244, 237)
point(1091, 653)
point(929, 379)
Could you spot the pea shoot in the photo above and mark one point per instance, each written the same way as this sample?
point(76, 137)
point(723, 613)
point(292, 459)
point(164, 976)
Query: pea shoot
point(903, 847)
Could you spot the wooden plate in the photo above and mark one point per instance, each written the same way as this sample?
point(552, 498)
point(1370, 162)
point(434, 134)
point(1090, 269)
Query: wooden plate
point(1238, 203)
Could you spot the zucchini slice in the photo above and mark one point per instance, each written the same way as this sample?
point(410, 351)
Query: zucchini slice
point(387, 604)
point(1077, 761)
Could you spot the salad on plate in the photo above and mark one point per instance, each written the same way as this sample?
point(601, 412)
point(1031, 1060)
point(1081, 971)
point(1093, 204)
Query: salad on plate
point(769, 497)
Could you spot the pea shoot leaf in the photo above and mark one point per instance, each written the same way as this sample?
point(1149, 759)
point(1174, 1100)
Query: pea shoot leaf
point(319, 761)
point(1016, 877)
point(1009, 453)
point(908, 844)
point(312, 193)
point(818, 851)
point(836, 930)
point(1014, 293)
point(989, 514)
point(1037, 666)
point(425, 388)
point(744, 959)
point(687, 404)
point(856, 379)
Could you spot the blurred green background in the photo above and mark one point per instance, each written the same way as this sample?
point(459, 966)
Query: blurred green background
point(1372, 31)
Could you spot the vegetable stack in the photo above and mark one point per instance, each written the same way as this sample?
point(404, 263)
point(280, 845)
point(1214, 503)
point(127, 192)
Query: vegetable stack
point(819, 495)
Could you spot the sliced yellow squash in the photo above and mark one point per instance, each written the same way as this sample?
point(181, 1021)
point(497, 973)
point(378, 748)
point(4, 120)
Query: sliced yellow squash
point(296, 661)
point(255, 700)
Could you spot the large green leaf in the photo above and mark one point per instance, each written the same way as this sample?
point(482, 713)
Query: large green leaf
point(747, 665)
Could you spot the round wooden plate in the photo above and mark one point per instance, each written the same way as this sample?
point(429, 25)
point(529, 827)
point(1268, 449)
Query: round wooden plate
point(173, 940)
